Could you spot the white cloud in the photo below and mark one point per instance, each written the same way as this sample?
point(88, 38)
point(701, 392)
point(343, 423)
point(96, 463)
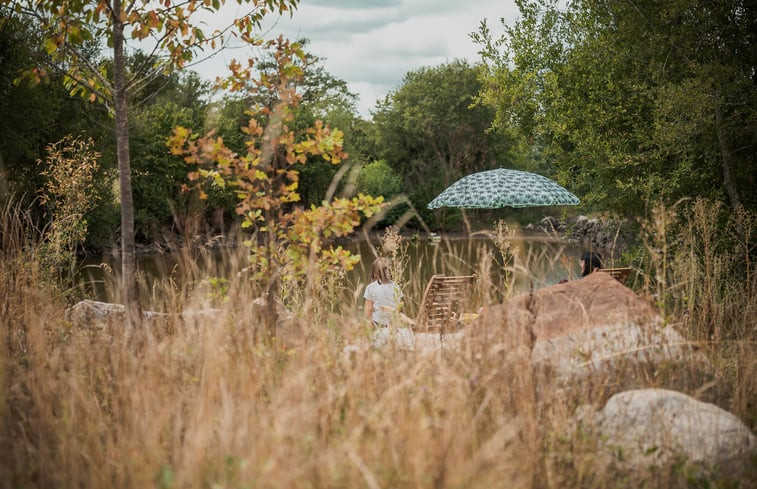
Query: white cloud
point(356, 4)
point(372, 44)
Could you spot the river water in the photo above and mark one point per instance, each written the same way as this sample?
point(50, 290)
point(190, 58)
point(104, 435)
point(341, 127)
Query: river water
point(533, 262)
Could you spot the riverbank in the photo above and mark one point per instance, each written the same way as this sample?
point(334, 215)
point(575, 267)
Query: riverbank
point(610, 237)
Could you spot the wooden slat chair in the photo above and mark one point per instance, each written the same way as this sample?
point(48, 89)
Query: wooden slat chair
point(443, 302)
point(619, 274)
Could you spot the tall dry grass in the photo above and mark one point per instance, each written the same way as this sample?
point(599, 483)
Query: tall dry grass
point(211, 401)
point(700, 272)
point(209, 404)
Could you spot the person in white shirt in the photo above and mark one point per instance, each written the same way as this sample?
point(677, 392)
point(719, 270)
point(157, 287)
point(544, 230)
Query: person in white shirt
point(382, 296)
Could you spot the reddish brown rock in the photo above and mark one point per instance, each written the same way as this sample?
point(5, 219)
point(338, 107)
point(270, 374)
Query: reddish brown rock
point(596, 300)
point(595, 332)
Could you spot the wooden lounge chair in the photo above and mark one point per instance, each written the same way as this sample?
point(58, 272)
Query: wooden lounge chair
point(619, 274)
point(442, 306)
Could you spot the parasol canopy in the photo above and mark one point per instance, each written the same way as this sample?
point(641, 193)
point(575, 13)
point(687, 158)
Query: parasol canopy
point(503, 188)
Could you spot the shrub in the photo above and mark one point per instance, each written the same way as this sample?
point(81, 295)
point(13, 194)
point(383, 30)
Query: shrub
point(378, 178)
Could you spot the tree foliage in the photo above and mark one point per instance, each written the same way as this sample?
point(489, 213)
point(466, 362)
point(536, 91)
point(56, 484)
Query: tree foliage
point(35, 116)
point(378, 178)
point(432, 133)
point(288, 240)
point(632, 100)
point(158, 176)
point(69, 28)
point(321, 97)
point(68, 194)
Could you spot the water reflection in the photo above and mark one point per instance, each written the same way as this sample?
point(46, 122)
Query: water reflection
point(535, 263)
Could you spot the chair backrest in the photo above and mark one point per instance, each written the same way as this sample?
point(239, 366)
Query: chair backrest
point(443, 302)
point(619, 274)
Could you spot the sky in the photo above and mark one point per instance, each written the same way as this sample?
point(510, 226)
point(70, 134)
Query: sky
point(372, 44)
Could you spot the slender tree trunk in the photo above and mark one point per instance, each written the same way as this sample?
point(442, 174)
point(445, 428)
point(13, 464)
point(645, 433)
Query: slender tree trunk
point(728, 183)
point(128, 264)
point(466, 222)
point(271, 314)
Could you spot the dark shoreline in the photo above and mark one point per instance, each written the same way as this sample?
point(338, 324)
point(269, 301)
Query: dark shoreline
point(609, 236)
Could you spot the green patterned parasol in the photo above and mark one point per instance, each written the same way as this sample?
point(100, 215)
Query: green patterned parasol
point(503, 188)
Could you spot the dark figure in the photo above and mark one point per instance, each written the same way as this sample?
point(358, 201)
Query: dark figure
point(590, 261)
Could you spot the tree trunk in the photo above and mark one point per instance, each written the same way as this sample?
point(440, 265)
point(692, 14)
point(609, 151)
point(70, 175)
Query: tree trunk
point(466, 222)
point(271, 290)
point(728, 183)
point(128, 258)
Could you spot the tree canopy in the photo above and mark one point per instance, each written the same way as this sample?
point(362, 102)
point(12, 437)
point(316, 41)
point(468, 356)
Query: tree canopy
point(431, 131)
point(68, 30)
point(632, 101)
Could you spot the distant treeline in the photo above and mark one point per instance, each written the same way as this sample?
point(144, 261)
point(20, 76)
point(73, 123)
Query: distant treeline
point(626, 104)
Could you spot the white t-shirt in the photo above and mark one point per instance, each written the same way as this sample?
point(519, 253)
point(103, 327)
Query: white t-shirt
point(386, 300)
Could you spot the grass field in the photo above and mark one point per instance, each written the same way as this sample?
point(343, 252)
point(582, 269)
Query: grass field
point(216, 403)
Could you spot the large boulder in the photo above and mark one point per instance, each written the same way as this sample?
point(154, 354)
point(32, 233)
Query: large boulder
point(641, 431)
point(595, 331)
point(88, 313)
point(581, 305)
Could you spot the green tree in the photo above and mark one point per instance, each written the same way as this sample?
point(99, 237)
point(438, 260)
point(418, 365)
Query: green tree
point(159, 177)
point(35, 116)
point(632, 100)
point(378, 178)
point(431, 132)
point(68, 27)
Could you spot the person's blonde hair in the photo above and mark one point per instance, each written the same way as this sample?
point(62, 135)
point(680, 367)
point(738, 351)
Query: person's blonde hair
point(381, 270)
